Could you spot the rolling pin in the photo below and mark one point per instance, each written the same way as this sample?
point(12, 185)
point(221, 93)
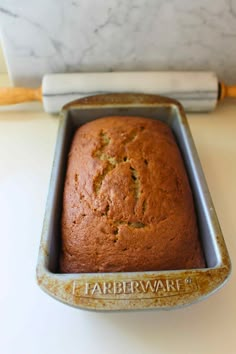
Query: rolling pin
point(197, 91)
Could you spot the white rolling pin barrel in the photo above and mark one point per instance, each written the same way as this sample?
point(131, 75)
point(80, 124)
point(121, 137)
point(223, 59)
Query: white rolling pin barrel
point(196, 91)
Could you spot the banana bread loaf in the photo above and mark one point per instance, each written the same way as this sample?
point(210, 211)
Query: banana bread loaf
point(127, 203)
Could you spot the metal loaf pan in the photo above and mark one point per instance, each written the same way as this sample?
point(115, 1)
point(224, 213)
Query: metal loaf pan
point(132, 290)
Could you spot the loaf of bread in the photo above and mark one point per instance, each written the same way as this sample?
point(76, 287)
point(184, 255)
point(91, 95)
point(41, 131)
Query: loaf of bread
point(127, 203)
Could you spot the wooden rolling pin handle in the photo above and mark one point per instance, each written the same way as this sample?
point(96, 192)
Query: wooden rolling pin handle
point(227, 91)
point(12, 95)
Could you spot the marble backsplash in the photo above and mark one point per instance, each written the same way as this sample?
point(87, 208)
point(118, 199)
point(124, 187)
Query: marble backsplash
point(45, 36)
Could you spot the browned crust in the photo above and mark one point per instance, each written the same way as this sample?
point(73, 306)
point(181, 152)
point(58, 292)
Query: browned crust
point(127, 202)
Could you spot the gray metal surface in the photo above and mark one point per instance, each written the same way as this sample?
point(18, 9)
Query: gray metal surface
point(136, 290)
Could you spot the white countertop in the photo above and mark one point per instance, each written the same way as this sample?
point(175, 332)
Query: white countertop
point(34, 323)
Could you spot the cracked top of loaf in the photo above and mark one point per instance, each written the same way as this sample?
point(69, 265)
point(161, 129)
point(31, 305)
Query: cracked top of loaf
point(127, 203)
